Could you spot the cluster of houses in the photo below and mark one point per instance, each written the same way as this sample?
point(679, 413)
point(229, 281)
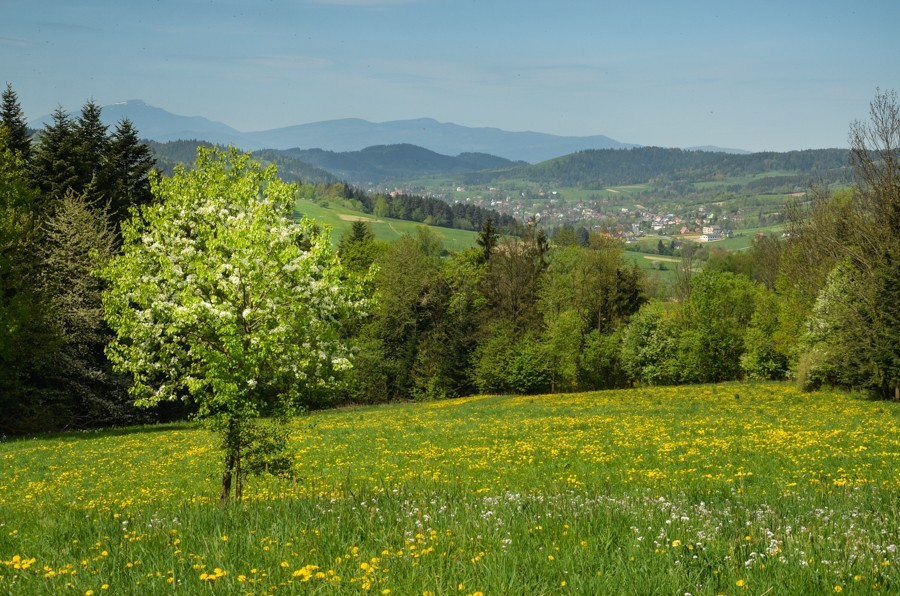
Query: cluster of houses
point(622, 222)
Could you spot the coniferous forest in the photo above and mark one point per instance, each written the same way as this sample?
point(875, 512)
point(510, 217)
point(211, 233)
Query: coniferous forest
point(819, 305)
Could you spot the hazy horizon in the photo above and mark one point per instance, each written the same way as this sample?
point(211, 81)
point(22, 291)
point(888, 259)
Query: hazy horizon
point(766, 76)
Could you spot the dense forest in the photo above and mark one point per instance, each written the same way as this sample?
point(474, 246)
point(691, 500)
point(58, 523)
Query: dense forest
point(600, 168)
point(518, 314)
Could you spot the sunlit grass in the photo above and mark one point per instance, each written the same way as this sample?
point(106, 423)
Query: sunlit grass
point(340, 219)
point(703, 489)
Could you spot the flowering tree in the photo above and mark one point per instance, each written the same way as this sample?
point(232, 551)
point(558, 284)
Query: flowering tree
point(220, 297)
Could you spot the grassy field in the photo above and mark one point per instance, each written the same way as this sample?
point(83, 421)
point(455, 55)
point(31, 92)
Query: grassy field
point(340, 219)
point(733, 488)
point(649, 265)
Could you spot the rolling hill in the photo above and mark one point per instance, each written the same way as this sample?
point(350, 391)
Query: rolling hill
point(382, 163)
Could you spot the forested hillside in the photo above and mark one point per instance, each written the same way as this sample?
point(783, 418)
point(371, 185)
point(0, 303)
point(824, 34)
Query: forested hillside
point(394, 162)
point(600, 168)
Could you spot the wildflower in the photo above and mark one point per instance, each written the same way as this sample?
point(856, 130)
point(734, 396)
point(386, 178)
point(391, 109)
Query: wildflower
point(740, 583)
point(838, 589)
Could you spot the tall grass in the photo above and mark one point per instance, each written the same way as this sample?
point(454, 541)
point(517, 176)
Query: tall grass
point(702, 490)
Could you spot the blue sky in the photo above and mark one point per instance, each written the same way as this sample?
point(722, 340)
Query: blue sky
point(757, 75)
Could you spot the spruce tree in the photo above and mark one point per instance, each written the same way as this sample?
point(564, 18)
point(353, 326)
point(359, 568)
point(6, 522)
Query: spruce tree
point(54, 169)
point(92, 147)
point(129, 163)
point(12, 121)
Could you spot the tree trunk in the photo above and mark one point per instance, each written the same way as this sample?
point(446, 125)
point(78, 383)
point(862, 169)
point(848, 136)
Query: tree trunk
point(226, 478)
point(232, 462)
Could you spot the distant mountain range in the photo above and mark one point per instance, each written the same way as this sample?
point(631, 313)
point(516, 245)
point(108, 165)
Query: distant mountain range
point(348, 135)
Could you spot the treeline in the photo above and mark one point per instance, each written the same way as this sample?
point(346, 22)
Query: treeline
point(61, 202)
point(599, 168)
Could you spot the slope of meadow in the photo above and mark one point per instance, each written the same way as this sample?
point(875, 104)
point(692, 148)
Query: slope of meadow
point(340, 219)
point(701, 489)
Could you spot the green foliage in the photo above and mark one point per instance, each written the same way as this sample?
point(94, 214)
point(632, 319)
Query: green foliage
point(762, 359)
point(217, 296)
point(719, 309)
point(78, 241)
point(358, 249)
point(562, 346)
point(650, 346)
point(850, 295)
point(599, 361)
point(492, 360)
point(28, 345)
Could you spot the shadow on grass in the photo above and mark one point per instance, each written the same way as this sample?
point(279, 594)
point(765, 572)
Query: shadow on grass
point(96, 433)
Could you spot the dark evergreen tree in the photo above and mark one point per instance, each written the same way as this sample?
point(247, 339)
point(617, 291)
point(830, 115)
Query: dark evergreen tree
point(487, 239)
point(129, 163)
point(91, 153)
point(27, 341)
point(357, 247)
point(15, 129)
point(54, 170)
point(584, 237)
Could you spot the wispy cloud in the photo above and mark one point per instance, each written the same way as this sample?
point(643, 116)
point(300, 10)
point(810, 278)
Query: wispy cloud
point(10, 42)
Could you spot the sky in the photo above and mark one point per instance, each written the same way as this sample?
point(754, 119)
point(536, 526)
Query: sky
point(754, 74)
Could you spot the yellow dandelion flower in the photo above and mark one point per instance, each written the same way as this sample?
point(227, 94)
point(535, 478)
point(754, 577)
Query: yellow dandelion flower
point(740, 583)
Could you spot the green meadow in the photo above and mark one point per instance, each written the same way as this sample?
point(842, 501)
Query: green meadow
point(711, 489)
point(340, 218)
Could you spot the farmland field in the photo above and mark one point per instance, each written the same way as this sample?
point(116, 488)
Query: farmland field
point(732, 488)
point(339, 219)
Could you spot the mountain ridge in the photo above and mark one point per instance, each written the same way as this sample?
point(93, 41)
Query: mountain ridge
point(353, 134)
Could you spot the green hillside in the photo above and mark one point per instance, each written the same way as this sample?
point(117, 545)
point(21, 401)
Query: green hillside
point(340, 218)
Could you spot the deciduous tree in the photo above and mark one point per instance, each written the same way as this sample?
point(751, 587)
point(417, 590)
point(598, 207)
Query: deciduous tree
point(220, 298)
